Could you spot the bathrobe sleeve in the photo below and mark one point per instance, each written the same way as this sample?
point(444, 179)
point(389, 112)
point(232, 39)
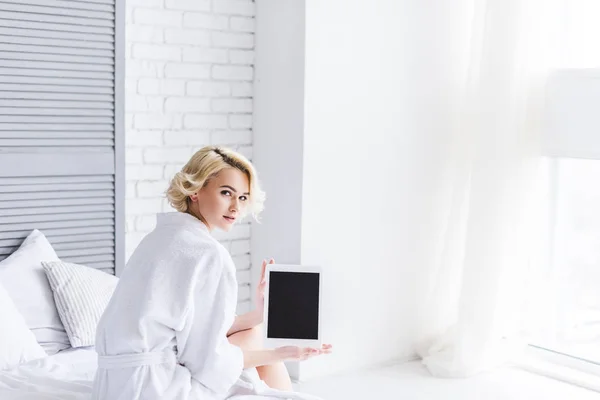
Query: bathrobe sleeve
point(211, 359)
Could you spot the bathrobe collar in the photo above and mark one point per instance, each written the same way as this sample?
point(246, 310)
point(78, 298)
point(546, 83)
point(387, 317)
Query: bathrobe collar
point(181, 219)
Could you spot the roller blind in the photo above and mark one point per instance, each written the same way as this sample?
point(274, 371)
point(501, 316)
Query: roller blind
point(572, 118)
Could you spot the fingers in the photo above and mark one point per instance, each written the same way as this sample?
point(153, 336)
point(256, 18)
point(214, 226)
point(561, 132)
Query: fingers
point(312, 352)
point(263, 271)
point(309, 352)
point(304, 353)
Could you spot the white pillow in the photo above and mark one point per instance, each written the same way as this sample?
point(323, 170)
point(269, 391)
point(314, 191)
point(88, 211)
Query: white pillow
point(81, 294)
point(17, 343)
point(23, 278)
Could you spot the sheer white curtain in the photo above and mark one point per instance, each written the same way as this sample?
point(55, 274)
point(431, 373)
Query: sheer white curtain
point(487, 217)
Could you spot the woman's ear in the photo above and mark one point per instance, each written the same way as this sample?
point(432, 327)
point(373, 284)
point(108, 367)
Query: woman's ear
point(194, 197)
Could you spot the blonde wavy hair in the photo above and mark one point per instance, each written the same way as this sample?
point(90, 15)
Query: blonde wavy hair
point(204, 165)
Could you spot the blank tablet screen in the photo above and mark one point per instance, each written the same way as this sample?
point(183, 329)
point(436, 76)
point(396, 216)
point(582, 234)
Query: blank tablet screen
point(293, 305)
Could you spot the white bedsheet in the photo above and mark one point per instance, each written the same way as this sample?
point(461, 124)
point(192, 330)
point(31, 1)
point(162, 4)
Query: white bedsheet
point(67, 375)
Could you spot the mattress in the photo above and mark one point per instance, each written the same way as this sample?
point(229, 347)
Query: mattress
point(67, 375)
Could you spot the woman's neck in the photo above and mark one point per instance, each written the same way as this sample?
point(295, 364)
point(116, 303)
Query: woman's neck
point(199, 216)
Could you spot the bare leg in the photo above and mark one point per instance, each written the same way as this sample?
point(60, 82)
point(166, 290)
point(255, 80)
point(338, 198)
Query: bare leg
point(274, 375)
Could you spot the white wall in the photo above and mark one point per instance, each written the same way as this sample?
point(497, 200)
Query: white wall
point(362, 199)
point(364, 177)
point(279, 132)
point(189, 72)
point(278, 156)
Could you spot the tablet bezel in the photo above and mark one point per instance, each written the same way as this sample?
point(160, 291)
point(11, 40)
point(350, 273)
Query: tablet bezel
point(278, 342)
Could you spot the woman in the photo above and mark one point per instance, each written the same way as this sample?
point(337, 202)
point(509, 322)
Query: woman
point(170, 330)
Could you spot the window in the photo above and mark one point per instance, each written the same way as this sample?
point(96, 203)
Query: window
point(566, 317)
point(571, 324)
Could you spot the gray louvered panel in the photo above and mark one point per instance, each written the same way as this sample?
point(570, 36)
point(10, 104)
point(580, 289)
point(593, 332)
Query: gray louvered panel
point(84, 249)
point(80, 231)
point(67, 152)
point(69, 189)
point(12, 62)
point(107, 6)
point(99, 31)
point(6, 251)
point(28, 86)
point(52, 83)
point(37, 202)
point(56, 142)
point(52, 7)
point(111, 2)
point(90, 250)
point(55, 112)
point(34, 36)
point(53, 180)
point(59, 97)
point(56, 134)
point(102, 265)
point(38, 164)
point(45, 225)
point(57, 120)
point(68, 104)
point(95, 237)
point(105, 268)
point(79, 241)
point(51, 128)
point(96, 78)
point(101, 194)
point(57, 217)
point(106, 55)
point(84, 259)
point(59, 153)
point(51, 80)
point(61, 232)
point(21, 41)
point(55, 19)
point(12, 242)
point(72, 61)
point(41, 211)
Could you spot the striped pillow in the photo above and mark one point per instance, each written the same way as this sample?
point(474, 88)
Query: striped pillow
point(81, 294)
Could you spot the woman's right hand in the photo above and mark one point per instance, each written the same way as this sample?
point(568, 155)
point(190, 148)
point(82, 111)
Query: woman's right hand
point(257, 358)
point(295, 353)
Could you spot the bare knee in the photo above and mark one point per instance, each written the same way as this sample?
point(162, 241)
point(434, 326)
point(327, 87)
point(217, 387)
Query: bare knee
point(249, 339)
point(256, 337)
point(275, 376)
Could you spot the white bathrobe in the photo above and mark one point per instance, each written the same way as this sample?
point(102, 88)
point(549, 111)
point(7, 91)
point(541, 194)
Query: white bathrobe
point(163, 334)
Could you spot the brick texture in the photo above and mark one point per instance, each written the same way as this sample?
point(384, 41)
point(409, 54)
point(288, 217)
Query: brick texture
point(189, 72)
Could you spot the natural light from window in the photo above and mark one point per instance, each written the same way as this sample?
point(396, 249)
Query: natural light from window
point(572, 322)
point(568, 289)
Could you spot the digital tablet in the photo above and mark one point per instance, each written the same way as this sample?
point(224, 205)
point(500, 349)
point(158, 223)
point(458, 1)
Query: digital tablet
point(292, 306)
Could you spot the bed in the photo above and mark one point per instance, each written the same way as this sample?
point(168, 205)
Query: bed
point(50, 309)
point(67, 375)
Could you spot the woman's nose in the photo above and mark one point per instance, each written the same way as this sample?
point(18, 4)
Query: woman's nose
point(235, 205)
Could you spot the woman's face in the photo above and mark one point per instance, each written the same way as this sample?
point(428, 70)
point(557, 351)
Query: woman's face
point(223, 199)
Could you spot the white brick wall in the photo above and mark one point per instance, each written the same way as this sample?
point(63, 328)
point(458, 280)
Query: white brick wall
point(189, 75)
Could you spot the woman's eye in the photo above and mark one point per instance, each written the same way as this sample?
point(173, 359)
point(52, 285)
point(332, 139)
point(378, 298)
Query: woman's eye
point(243, 198)
point(226, 193)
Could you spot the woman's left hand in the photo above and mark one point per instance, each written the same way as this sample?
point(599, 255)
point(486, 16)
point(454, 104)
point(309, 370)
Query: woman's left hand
point(260, 290)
